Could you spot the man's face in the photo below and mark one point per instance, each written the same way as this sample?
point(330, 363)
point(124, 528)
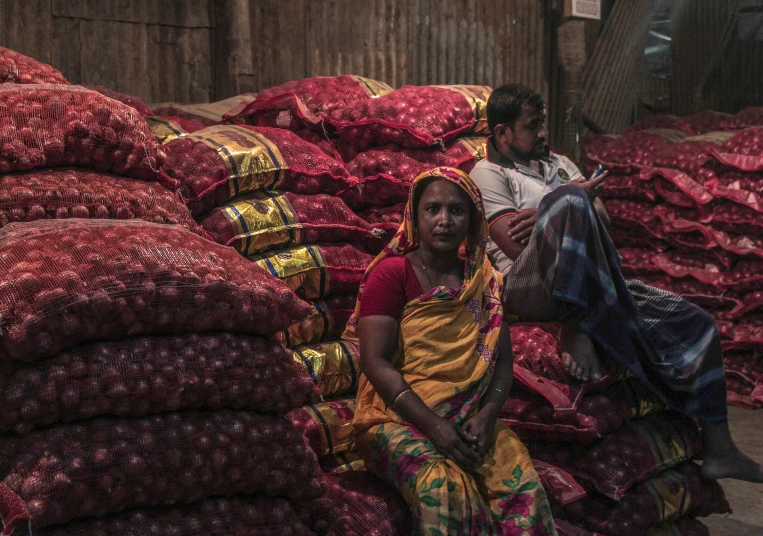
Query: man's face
point(528, 137)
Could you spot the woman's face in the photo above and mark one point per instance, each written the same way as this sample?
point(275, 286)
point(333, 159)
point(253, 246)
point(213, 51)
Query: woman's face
point(444, 215)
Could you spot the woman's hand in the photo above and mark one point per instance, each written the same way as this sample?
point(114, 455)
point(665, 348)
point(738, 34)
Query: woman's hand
point(453, 442)
point(482, 427)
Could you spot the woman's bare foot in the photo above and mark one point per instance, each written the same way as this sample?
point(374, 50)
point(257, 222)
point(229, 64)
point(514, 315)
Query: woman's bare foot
point(579, 355)
point(732, 465)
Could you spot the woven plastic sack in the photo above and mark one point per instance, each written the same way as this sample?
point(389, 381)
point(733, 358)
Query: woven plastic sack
point(141, 376)
point(307, 102)
point(61, 193)
point(242, 516)
point(104, 466)
point(415, 116)
point(633, 454)
point(15, 68)
point(674, 494)
point(333, 366)
point(357, 504)
point(327, 426)
point(314, 272)
point(407, 164)
point(326, 322)
point(129, 100)
point(170, 128)
point(379, 215)
point(221, 162)
point(264, 221)
point(65, 282)
point(206, 113)
point(51, 125)
point(342, 462)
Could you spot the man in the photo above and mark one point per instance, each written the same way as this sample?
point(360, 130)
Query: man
point(548, 236)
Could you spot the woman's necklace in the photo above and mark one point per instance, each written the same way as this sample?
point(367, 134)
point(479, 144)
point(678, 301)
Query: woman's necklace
point(426, 272)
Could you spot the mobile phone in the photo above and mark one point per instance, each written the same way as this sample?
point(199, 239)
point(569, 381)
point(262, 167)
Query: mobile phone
point(599, 171)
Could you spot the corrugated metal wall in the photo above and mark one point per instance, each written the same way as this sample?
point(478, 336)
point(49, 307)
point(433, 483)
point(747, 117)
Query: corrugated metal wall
point(402, 41)
point(158, 50)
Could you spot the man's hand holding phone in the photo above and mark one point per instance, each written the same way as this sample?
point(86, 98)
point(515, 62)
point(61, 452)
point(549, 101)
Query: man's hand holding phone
point(594, 186)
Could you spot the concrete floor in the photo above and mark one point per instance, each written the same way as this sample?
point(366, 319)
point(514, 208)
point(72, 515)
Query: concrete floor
point(746, 499)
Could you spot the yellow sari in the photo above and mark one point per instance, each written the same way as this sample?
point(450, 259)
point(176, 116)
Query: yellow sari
point(446, 352)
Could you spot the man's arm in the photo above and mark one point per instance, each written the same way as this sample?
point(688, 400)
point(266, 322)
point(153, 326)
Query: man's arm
point(500, 234)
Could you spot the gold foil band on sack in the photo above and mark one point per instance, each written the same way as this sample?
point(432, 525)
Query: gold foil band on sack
point(476, 145)
point(164, 130)
point(477, 97)
point(374, 88)
point(669, 438)
point(336, 430)
point(253, 161)
point(343, 462)
point(263, 221)
point(333, 366)
point(301, 267)
point(670, 492)
point(313, 329)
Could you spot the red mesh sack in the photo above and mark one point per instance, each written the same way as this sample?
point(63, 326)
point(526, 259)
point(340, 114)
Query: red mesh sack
point(633, 215)
point(532, 416)
point(104, 466)
point(381, 190)
point(676, 187)
point(136, 377)
point(263, 221)
point(636, 261)
point(558, 483)
point(633, 150)
point(744, 189)
point(70, 281)
point(749, 117)
point(691, 154)
point(414, 116)
point(628, 456)
point(327, 426)
point(333, 366)
point(407, 164)
point(308, 102)
point(743, 151)
point(242, 516)
point(129, 100)
point(206, 113)
point(744, 374)
point(169, 128)
point(217, 163)
point(326, 322)
point(681, 264)
point(357, 504)
point(322, 141)
point(669, 496)
point(704, 122)
point(50, 125)
point(315, 272)
point(78, 193)
point(377, 215)
point(16, 68)
point(628, 187)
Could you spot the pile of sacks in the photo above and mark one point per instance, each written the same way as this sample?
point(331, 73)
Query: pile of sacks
point(686, 198)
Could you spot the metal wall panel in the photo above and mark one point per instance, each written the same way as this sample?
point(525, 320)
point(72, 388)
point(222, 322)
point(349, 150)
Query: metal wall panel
point(159, 50)
point(401, 41)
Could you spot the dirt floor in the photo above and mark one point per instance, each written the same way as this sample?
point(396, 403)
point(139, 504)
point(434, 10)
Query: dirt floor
point(746, 499)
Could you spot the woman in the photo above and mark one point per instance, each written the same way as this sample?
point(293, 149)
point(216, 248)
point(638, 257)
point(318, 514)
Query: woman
point(436, 363)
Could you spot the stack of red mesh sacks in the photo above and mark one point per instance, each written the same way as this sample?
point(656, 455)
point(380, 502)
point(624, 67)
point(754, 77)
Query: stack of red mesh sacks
point(297, 224)
point(686, 201)
point(613, 460)
point(138, 364)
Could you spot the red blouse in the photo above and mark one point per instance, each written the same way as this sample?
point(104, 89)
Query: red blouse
point(391, 285)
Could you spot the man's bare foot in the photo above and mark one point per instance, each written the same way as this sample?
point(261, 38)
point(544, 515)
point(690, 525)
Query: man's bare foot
point(579, 355)
point(732, 465)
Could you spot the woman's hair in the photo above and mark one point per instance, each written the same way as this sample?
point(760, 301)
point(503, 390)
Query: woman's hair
point(419, 192)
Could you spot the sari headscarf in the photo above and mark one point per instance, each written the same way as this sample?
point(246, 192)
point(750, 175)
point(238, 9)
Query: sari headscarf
point(448, 337)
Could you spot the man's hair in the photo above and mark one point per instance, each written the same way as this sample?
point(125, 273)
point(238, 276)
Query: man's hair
point(506, 102)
